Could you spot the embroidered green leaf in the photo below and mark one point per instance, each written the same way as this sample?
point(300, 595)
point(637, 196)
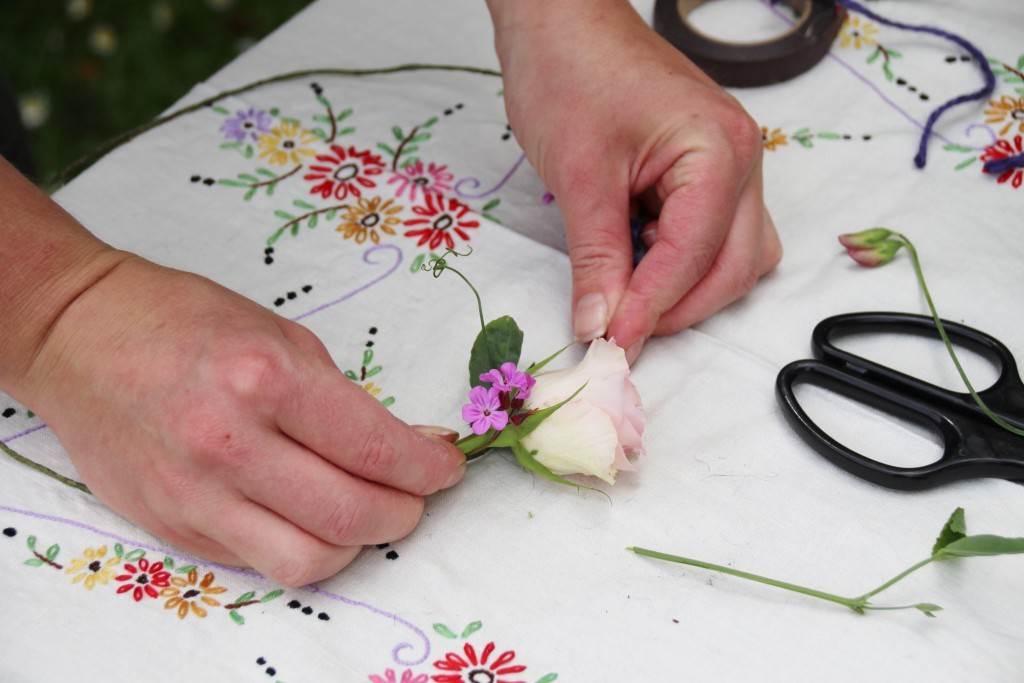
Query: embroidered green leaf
point(311, 223)
point(135, 554)
point(375, 370)
point(352, 376)
point(956, 148)
point(492, 218)
point(248, 152)
point(829, 136)
point(501, 341)
point(34, 562)
point(231, 183)
point(443, 630)
point(248, 177)
point(346, 131)
point(321, 118)
point(249, 194)
point(397, 132)
point(230, 145)
point(329, 216)
point(168, 562)
point(52, 551)
point(320, 133)
point(245, 597)
point(323, 100)
point(408, 150)
point(295, 230)
point(385, 148)
point(954, 529)
point(31, 542)
point(30, 414)
point(270, 188)
point(410, 161)
point(1020, 62)
point(965, 163)
point(471, 628)
point(367, 356)
point(548, 678)
point(274, 111)
point(274, 237)
point(343, 114)
point(303, 205)
point(284, 214)
point(887, 71)
point(895, 53)
point(219, 109)
point(272, 595)
point(119, 550)
point(186, 569)
point(429, 122)
point(421, 137)
point(291, 120)
point(491, 204)
point(806, 142)
point(236, 617)
point(874, 55)
point(388, 402)
point(417, 263)
point(265, 172)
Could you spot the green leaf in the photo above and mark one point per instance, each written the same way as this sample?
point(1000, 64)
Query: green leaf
point(343, 114)
point(895, 53)
point(829, 136)
point(303, 205)
point(265, 172)
point(186, 569)
point(429, 122)
point(965, 163)
point(272, 595)
point(982, 545)
point(874, 55)
point(292, 120)
point(954, 529)
point(250, 193)
point(367, 356)
point(219, 109)
point(284, 215)
point(135, 554)
point(375, 370)
point(422, 137)
point(548, 678)
point(530, 464)
point(533, 421)
point(313, 220)
point(236, 617)
point(352, 376)
point(34, 562)
point(230, 145)
point(346, 131)
point(119, 550)
point(471, 628)
point(491, 204)
point(409, 161)
point(274, 111)
point(397, 132)
point(887, 71)
point(329, 216)
point(321, 118)
point(1020, 62)
point(168, 562)
point(244, 597)
point(274, 237)
point(320, 133)
point(501, 341)
point(388, 402)
point(443, 630)
point(539, 365)
point(409, 149)
point(228, 182)
point(417, 263)
point(52, 551)
point(31, 542)
point(249, 177)
point(270, 188)
point(30, 414)
point(385, 148)
point(928, 608)
point(295, 230)
point(323, 100)
point(248, 152)
point(956, 148)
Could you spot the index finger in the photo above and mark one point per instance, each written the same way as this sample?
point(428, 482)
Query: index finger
point(341, 422)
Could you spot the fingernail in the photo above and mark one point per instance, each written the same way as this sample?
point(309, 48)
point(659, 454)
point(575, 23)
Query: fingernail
point(591, 319)
point(633, 352)
point(648, 237)
point(436, 432)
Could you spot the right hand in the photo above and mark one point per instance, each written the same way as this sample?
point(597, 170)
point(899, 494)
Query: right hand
point(226, 429)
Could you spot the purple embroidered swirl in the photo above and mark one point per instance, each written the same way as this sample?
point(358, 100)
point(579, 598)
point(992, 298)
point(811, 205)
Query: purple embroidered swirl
point(367, 258)
point(992, 137)
point(395, 652)
point(474, 183)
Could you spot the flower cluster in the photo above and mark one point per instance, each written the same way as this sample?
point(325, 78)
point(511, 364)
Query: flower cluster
point(490, 407)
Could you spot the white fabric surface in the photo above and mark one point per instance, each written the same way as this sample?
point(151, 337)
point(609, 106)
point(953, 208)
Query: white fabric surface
point(724, 478)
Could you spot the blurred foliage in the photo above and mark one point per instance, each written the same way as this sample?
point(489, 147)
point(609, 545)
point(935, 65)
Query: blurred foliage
point(84, 70)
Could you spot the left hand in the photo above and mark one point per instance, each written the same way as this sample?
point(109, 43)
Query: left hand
point(607, 111)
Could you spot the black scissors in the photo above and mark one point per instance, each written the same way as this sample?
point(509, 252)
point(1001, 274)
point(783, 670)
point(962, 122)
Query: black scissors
point(974, 446)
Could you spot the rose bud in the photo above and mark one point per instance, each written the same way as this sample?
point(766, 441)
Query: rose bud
point(864, 238)
point(595, 432)
point(877, 255)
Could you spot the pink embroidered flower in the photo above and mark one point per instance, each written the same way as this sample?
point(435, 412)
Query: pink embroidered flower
point(143, 578)
point(344, 173)
point(483, 411)
point(1006, 160)
point(437, 219)
point(469, 667)
point(507, 378)
point(593, 433)
point(414, 177)
point(408, 676)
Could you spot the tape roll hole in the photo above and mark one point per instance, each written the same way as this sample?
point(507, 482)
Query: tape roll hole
point(741, 21)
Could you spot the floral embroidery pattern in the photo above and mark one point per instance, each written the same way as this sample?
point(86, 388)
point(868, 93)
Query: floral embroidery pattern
point(187, 593)
point(344, 172)
point(93, 567)
point(1004, 149)
point(1007, 110)
point(414, 177)
point(142, 579)
point(857, 33)
point(437, 219)
point(368, 217)
point(772, 139)
point(286, 143)
point(408, 676)
point(249, 124)
point(368, 370)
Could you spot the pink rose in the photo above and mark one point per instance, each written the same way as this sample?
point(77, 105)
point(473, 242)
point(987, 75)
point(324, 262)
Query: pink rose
point(595, 432)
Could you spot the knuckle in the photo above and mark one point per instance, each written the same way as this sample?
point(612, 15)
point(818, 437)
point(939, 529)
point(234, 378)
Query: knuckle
point(745, 135)
point(297, 570)
point(250, 373)
point(591, 259)
point(343, 522)
point(377, 457)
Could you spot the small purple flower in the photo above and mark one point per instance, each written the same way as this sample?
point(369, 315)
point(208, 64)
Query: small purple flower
point(244, 124)
point(508, 378)
point(482, 412)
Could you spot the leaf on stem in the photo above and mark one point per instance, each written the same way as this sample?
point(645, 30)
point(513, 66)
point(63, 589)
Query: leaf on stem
point(954, 529)
point(501, 341)
point(982, 545)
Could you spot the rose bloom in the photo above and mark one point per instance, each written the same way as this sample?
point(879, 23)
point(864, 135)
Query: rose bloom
point(595, 432)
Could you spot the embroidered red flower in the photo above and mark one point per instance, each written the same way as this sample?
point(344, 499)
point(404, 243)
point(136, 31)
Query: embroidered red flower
point(345, 172)
point(1006, 160)
point(142, 578)
point(478, 669)
point(437, 219)
point(416, 176)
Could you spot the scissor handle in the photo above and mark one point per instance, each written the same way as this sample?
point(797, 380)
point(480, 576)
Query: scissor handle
point(956, 463)
point(1005, 396)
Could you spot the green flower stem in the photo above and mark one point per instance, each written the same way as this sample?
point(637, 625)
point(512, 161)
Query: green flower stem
point(858, 604)
point(945, 339)
point(479, 303)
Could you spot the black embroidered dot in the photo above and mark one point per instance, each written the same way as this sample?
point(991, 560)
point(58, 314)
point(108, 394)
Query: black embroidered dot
point(847, 137)
point(316, 88)
point(901, 81)
point(950, 59)
point(10, 532)
point(323, 616)
point(923, 96)
point(294, 603)
point(8, 412)
point(373, 330)
point(261, 661)
point(208, 181)
point(271, 671)
point(867, 137)
point(291, 295)
point(447, 112)
point(459, 105)
point(268, 250)
point(268, 260)
point(392, 555)
point(307, 610)
point(307, 288)
point(279, 301)
point(369, 344)
point(965, 58)
point(196, 178)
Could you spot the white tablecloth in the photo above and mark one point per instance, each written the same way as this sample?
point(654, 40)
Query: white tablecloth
point(526, 571)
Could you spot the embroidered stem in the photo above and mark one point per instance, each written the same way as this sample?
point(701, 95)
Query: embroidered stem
point(401, 146)
point(82, 162)
point(334, 125)
point(277, 179)
point(45, 560)
point(298, 219)
point(239, 605)
point(1016, 72)
point(43, 469)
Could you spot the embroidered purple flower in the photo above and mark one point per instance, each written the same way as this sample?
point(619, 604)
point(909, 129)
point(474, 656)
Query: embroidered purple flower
point(243, 124)
point(483, 411)
point(507, 378)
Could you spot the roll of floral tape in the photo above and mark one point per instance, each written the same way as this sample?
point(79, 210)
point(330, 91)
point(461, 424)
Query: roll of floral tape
point(758, 63)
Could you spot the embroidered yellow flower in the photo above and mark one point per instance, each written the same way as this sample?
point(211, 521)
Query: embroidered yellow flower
point(857, 33)
point(772, 139)
point(286, 143)
point(368, 217)
point(372, 389)
point(1009, 109)
point(185, 594)
point(93, 567)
